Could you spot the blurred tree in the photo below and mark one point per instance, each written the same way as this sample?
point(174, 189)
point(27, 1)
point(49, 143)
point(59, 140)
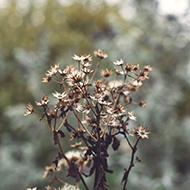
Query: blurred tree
point(36, 34)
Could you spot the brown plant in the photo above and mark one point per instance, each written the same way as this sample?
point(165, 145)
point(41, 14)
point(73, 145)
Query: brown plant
point(101, 109)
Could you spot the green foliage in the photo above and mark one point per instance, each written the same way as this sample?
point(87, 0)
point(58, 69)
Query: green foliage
point(35, 35)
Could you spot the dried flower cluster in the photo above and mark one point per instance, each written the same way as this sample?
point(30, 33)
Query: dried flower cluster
point(101, 111)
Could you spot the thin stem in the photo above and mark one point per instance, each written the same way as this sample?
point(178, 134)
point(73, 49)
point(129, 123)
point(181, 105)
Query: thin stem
point(55, 120)
point(78, 117)
point(83, 181)
point(95, 70)
point(83, 125)
point(64, 120)
point(59, 180)
point(127, 140)
point(57, 78)
point(78, 121)
point(78, 65)
point(126, 174)
point(60, 147)
point(86, 99)
point(56, 81)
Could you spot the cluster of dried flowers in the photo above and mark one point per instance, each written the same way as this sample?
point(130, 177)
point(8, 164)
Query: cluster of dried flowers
point(100, 108)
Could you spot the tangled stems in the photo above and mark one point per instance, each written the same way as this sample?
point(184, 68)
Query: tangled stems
point(126, 174)
point(100, 109)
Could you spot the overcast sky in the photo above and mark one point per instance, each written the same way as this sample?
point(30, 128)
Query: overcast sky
point(176, 7)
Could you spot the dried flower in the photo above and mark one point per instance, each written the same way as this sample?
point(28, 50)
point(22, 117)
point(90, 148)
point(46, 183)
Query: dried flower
point(104, 116)
point(99, 86)
point(119, 63)
point(78, 107)
point(136, 83)
point(48, 170)
point(140, 132)
point(47, 78)
point(43, 102)
point(131, 67)
point(68, 69)
point(72, 156)
point(91, 121)
point(119, 72)
point(131, 115)
point(85, 64)
point(69, 187)
point(99, 53)
point(86, 108)
point(148, 68)
point(143, 75)
point(35, 188)
point(55, 68)
point(138, 159)
point(74, 77)
point(30, 109)
point(120, 108)
point(82, 57)
point(58, 95)
point(52, 71)
point(142, 104)
point(115, 84)
point(105, 73)
point(87, 70)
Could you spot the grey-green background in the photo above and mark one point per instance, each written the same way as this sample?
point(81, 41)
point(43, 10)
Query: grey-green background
point(35, 34)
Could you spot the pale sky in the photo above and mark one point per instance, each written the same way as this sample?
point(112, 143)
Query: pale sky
point(176, 7)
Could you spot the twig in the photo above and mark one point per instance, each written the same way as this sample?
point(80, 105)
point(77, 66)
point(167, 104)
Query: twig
point(126, 174)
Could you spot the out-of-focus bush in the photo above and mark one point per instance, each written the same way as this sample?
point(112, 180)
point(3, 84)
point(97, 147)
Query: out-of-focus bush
point(36, 34)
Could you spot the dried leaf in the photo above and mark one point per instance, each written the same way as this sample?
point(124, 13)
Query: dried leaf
point(73, 171)
point(55, 137)
point(61, 133)
point(116, 143)
point(57, 158)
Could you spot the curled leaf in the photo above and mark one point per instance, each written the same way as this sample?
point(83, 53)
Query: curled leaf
point(116, 143)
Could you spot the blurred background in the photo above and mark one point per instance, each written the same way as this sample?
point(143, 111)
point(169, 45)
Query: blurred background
point(35, 34)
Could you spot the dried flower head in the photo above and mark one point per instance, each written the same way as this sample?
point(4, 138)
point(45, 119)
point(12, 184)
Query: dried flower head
point(94, 111)
point(35, 188)
point(148, 68)
point(131, 67)
point(43, 101)
point(105, 72)
point(99, 53)
point(58, 95)
point(53, 70)
point(131, 115)
point(47, 78)
point(143, 75)
point(119, 63)
point(142, 104)
point(136, 83)
point(82, 57)
point(87, 70)
point(74, 77)
point(30, 109)
point(48, 170)
point(140, 132)
point(78, 107)
point(85, 64)
point(119, 72)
